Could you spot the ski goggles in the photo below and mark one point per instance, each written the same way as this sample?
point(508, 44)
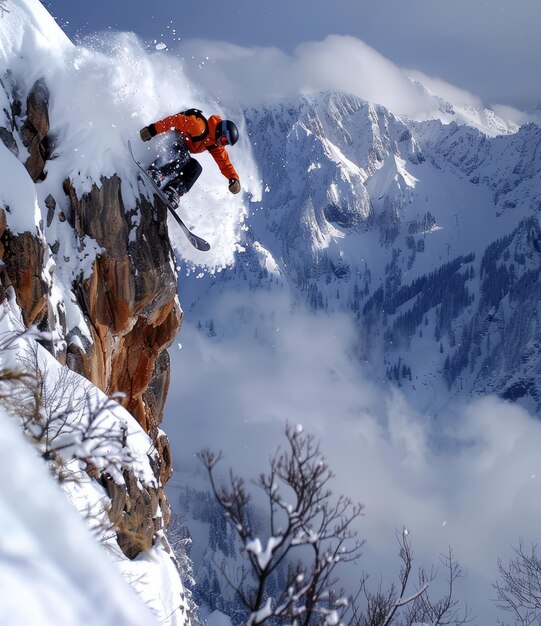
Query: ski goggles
point(224, 133)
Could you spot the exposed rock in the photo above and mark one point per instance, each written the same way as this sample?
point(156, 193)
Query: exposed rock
point(156, 391)
point(14, 110)
point(9, 141)
point(133, 514)
point(164, 454)
point(50, 203)
point(35, 129)
point(129, 302)
point(23, 255)
point(3, 225)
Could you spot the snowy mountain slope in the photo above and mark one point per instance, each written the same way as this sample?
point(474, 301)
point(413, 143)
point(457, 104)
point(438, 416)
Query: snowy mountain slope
point(341, 64)
point(423, 232)
point(52, 570)
point(393, 220)
point(471, 114)
point(60, 565)
point(507, 164)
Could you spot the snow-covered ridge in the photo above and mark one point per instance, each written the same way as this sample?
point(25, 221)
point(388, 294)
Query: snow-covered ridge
point(408, 208)
point(468, 114)
point(391, 179)
point(55, 572)
point(28, 29)
point(338, 63)
point(19, 196)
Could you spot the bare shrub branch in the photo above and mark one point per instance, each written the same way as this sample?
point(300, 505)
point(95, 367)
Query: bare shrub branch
point(408, 603)
point(519, 589)
point(291, 576)
point(64, 421)
point(309, 535)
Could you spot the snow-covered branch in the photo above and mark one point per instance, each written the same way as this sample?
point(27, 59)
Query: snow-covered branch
point(518, 589)
point(307, 527)
point(65, 420)
point(291, 574)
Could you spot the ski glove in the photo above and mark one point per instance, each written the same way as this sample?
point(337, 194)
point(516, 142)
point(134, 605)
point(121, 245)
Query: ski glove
point(148, 132)
point(234, 185)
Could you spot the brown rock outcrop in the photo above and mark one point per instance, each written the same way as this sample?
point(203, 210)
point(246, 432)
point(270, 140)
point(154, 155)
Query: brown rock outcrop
point(35, 130)
point(23, 256)
point(24, 253)
point(130, 300)
point(133, 514)
point(129, 303)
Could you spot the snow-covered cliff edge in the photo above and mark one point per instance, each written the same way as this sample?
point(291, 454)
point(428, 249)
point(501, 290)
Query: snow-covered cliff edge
point(88, 307)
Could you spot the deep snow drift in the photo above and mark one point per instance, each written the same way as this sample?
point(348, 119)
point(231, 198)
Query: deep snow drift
point(56, 568)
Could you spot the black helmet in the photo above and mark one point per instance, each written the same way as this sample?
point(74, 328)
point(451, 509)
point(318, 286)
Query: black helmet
point(227, 133)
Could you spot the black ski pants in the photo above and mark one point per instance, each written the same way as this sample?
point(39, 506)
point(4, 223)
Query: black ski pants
point(183, 170)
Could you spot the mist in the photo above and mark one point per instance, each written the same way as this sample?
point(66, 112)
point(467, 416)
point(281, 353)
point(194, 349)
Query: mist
point(469, 479)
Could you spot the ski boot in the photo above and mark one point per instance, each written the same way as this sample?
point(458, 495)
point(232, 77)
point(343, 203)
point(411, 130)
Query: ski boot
point(173, 196)
point(155, 175)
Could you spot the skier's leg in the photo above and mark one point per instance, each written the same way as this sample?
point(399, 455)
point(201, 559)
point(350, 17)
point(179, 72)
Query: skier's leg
point(171, 169)
point(185, 177)
point(178, 156)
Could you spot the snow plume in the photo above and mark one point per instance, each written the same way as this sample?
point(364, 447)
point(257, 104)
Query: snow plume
point(531, 116)
point(341, 63)
point(147, 86)
point(468, 478)
point(102, 92)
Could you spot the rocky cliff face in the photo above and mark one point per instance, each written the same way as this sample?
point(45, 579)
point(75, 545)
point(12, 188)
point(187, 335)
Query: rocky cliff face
point(127, 302)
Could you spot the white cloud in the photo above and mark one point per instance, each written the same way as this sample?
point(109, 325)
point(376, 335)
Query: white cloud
point(445, 90)
point(235, 73)
point(519, 117)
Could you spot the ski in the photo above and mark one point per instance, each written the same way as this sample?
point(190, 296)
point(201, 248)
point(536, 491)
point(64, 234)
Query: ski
point(197, 242)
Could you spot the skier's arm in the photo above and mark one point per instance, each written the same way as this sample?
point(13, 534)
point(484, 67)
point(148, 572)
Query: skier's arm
point(187, 125)
point(221, 157)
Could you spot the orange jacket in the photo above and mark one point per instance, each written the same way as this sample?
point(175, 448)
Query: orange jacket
point(190, 126)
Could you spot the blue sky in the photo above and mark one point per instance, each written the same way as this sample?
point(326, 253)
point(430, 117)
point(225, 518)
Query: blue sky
point(490, 48)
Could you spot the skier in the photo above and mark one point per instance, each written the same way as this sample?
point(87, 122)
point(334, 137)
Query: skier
point(195, 133)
